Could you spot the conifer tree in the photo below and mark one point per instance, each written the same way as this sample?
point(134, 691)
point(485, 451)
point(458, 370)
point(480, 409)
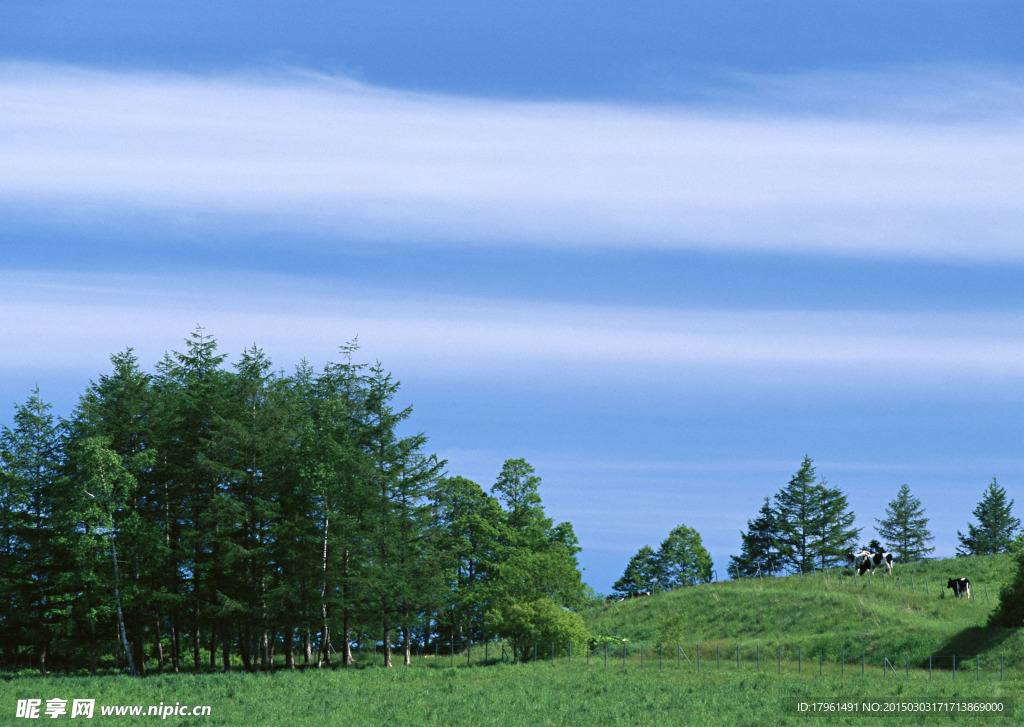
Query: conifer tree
point(35, 532)
point(641, 573)
point(996, 526)
point(759, 553)
point(816, 527)
point(905, 528)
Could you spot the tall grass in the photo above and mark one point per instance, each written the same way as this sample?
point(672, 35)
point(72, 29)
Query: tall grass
point(531, 694)
point(780, 627)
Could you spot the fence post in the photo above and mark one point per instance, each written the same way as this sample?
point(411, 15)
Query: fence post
point(986, 594)
point(469, 650)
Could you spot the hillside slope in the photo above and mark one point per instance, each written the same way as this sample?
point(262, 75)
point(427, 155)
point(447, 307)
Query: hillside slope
point(910, 612)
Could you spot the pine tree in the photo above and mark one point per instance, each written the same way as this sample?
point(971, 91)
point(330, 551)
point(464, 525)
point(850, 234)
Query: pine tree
point(759, 552)
point(996, 525)
point(641, 573)
point(35, 533)
point(905, 528)
point(837, 536)
point(815, 525)
point(188, 395)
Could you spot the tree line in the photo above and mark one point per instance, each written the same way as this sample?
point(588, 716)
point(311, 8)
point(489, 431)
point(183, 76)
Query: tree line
point(808, 525)
point(204, 516)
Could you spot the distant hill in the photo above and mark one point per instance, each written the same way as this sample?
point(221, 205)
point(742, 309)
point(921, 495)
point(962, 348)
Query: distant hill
point(909, 613)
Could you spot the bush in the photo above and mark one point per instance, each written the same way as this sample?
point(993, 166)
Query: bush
point(1010, 611)
point(539, 622)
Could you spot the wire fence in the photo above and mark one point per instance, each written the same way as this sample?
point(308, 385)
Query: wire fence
point(708, 659)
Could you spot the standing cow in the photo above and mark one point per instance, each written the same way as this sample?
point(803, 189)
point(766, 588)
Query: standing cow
point(960, 586)
point(865, 560)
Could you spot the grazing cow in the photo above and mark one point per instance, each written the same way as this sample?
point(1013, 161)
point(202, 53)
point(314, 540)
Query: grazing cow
point(960, 586)
point(866, 560)
point(861, 561)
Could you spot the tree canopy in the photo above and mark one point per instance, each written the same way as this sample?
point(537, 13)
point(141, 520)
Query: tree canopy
point(204, 515)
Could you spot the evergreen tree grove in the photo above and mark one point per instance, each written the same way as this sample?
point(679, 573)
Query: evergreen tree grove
point(204, 517)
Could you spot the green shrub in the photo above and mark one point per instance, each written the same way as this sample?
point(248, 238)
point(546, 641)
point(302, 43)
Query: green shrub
point(1010, 611)
point(541, 622)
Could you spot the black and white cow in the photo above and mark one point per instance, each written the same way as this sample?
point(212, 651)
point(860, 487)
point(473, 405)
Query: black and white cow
point(960, 586)
point(882, 558)
point(866, 560)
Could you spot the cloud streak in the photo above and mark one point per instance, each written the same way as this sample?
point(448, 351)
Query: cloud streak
point(327, 154)
point(510, 340)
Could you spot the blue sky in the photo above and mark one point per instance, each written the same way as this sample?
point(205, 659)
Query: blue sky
point(660, 250)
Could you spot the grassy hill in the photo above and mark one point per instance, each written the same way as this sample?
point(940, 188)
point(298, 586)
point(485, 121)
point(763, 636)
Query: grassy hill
point(912, 615)
point(910, 612)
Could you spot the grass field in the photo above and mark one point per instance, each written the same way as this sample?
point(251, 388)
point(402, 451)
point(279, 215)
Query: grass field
point(779, 626)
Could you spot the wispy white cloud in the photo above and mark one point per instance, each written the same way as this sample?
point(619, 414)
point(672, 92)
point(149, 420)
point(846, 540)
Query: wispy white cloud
point(92, 316)
point(329, 154)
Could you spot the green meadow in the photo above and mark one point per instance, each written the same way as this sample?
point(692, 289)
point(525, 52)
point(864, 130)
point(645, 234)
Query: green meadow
point(802, 644)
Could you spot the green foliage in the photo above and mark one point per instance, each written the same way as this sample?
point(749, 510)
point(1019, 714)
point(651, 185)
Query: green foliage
point(905, 528)
point(1010, 612)
point(759, 554)
point(682, 559)
point(996, 526)
point(641, 573)
point(543, 622)
point(216, 516)
point(816, 527)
